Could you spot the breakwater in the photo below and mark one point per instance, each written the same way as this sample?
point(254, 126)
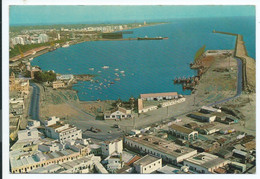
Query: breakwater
point(248, 63)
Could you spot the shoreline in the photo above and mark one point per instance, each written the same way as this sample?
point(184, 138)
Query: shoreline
point(48, 48)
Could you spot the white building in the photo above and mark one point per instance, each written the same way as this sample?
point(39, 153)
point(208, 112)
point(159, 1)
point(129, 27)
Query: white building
point(159, 96)
point(113, 163)
point(65, 77)
point(60, 131)
point(43, 38)
point(33, 124)
point(143, 109)
point(52, 120)
point(118, 113)
point(204, 163)
point(79, 145)
point(45, 147)
point(28, 134)
point(167, 150)
point(147, 164)
point(114, 147)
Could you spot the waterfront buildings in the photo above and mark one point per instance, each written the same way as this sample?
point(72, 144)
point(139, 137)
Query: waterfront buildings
point(147, 164)
point(167, 150)
point(159, 96)
point(143, 109)
point(183, 132)
point(205, 163)
point(118, 113)
point(114, 147)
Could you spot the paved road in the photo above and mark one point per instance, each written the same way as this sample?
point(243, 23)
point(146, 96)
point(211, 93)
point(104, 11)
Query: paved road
point(34, 105)
point(239, 85)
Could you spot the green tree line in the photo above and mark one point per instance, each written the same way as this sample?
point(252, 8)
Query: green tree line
point(45, 76)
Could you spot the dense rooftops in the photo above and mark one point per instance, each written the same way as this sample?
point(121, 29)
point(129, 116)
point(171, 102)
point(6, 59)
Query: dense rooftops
point(161, 145)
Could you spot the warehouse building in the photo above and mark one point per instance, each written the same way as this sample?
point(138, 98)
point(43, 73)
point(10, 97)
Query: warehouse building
point(202, 117)
point(183, 132)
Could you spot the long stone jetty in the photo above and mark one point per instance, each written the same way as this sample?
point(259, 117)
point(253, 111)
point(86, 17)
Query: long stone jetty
point(249, 64)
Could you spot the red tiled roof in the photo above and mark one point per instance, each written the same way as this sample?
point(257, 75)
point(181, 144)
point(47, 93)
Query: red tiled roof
point(135, 158)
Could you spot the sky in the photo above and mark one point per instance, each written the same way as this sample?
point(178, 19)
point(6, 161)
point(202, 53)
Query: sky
point(39, 15)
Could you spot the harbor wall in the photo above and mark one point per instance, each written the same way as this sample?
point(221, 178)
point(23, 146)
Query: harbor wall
point(248, 63)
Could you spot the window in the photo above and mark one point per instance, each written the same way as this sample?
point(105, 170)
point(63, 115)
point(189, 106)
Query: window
point(123, 115)
point(144, 168)
point(150, 166)
point(29, 134)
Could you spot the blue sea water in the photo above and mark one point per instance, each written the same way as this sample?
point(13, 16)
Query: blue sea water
point(149, 66)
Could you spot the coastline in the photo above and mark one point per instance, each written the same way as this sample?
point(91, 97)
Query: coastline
point(48, 48)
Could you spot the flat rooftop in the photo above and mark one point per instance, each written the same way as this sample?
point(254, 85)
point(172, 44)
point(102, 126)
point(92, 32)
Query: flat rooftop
point(205, 160)
point(146, 160)
point(181, 129)
point(168, 170)
point(162, 145)
point(33, 159)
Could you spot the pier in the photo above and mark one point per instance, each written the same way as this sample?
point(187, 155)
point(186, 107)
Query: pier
point(248, 63)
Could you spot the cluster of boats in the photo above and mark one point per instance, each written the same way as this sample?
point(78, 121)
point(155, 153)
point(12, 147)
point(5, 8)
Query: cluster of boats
point(102, 82)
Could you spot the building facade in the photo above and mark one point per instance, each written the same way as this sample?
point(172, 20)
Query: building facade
point(183, 132)
point(112, 147)
point(118, 113)
point(56, 130)
point(147, 164)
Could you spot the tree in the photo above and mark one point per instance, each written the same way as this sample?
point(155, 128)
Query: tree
point(46, 76)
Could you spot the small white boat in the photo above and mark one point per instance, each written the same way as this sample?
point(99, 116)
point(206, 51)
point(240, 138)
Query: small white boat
point(99, 71)
point(116, 69)
point(117, 79)
point(122, 71)
point(92, 69)
point(30, 59)
point(105, 67)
